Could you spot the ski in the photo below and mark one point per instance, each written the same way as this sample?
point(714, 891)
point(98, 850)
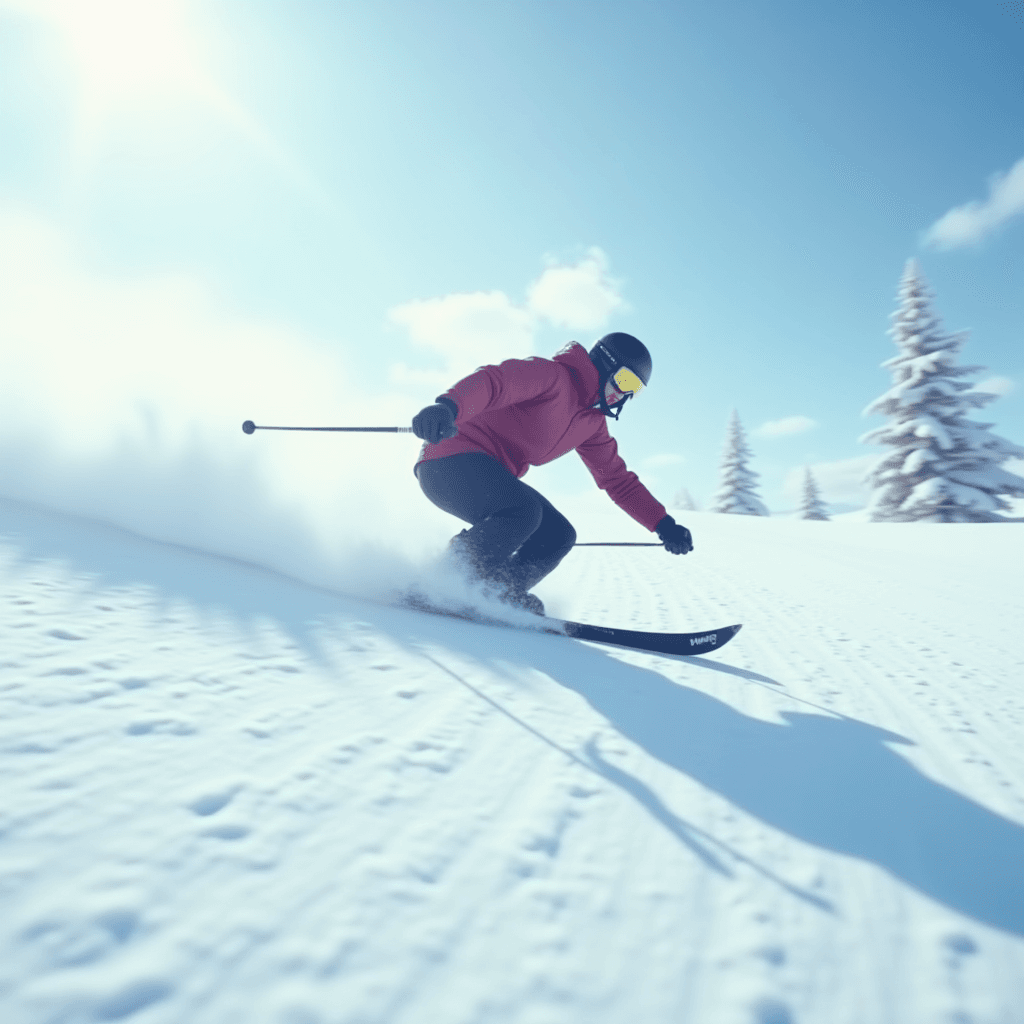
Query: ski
point(656, 643)
point(632, 639)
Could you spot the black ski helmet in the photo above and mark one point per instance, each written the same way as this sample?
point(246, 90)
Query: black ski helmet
point(613, 351)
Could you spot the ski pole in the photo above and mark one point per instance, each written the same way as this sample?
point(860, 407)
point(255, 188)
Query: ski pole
point(248, 426)
point(617, 544)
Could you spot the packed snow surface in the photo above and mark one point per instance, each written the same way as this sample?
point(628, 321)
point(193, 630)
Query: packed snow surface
point(228, 796)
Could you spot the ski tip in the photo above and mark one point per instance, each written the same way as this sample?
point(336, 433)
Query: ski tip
point(715, 640)
point(730, 632)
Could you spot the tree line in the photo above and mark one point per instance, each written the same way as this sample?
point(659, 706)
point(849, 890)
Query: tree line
point(939, 466)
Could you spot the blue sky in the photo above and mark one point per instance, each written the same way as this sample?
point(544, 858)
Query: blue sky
point(323, 211)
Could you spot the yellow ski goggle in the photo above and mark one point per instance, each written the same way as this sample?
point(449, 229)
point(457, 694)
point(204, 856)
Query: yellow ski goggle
point(626, 381)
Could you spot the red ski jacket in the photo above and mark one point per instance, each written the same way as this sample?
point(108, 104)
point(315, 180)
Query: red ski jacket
point(526, 412)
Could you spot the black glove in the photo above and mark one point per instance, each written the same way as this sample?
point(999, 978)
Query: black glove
point(436, 422)
point(676, 538)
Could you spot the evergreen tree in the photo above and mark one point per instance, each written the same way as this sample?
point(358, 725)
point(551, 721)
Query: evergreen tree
point(683, 501)
point(811, 505)
point(736, 492)
point(943, 467)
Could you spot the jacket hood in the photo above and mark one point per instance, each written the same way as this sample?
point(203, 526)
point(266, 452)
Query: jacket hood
point(585, 377)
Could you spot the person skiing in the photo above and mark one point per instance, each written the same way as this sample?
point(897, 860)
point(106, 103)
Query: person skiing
point(482, 435)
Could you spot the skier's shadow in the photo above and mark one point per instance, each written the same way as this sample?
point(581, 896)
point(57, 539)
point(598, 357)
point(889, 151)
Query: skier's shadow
point(828, 780)
point(831, 781)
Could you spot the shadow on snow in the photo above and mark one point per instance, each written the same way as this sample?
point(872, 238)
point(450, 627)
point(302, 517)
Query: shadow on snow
point(824, 779)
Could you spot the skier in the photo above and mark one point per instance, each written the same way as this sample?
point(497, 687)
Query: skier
point(483, 434)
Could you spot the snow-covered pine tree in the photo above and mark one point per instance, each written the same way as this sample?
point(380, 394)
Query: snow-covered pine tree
point(683, 501)
point(943, 467)
point(811, 505)
point(736, 491)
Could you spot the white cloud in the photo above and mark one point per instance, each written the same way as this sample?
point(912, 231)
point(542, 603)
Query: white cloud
point(840, 481)
point(82, 354)
point(580, 296)
point(970, 223)
point(785, 427)
point(468, 330)
point(996, 386)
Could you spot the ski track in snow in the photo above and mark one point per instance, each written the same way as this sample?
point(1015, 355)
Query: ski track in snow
point(229, 797)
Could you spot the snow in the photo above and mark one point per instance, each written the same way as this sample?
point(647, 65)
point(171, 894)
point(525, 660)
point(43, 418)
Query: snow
point(928, 426)
point(233, 796)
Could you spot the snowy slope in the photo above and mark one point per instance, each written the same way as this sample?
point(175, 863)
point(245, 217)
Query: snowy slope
point(232, 797)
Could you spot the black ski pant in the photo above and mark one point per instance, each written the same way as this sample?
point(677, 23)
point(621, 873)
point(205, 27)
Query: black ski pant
point(517, 536)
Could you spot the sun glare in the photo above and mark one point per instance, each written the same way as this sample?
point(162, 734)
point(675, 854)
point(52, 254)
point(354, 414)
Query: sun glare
point(134, 56)
point(123, 49)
